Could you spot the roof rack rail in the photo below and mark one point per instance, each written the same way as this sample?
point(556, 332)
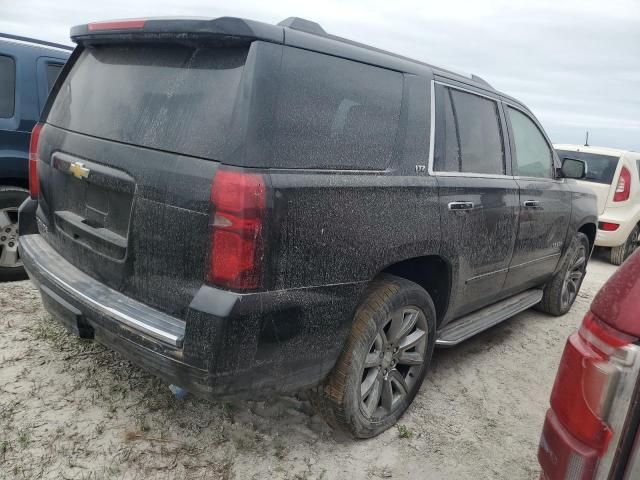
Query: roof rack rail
point(303, 25)
point(35, 41)
point(478, 79)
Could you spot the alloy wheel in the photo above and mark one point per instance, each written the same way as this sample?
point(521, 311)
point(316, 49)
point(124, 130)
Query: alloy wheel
point(394, 361)
point(9, 255)
point(633, 243)
point(573, 278)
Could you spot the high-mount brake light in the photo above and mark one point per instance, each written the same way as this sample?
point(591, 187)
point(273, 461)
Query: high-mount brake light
point(238, 202)
point(117, 25)
point(34, 181)
point(623, 189)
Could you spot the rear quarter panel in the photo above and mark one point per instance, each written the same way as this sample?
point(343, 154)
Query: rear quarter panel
point(343, 228)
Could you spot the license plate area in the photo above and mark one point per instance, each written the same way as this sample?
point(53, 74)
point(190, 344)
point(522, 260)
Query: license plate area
point(92, 204)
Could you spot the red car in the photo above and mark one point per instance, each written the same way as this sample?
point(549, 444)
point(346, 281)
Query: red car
point(591, 430)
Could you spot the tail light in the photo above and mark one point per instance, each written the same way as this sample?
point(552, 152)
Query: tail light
point(34, 181)
point(608, 227)
point(623, 189)
point(238, 202)
point(576, 432)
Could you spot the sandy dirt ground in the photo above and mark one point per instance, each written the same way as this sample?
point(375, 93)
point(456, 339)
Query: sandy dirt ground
point(72, 409)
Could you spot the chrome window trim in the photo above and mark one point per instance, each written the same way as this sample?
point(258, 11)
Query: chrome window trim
point(432, 133)
point(469, 174)
point(432, 128)
point(540, 179)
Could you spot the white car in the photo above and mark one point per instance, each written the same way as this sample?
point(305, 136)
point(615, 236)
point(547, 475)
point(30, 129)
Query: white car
point(614, 175)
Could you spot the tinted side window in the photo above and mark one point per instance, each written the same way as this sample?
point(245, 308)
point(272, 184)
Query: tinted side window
point(53, 70)
point(335, 113)
point(452, 159)
point(533, 154)
point(472, 134)
point(7, 86)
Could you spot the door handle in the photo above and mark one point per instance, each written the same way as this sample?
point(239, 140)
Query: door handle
point(457, 206)
point(531, 203)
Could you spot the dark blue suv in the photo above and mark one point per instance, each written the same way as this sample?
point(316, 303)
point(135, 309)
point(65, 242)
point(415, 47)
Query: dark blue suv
point(28, 70)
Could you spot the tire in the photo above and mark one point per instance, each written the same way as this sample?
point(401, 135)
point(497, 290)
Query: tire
point(619, 254)
point(391, 304)
point(10, 264)
point(562, 289)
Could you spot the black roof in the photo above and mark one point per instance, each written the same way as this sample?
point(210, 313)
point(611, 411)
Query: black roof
point(293, 31)
point(35, 41)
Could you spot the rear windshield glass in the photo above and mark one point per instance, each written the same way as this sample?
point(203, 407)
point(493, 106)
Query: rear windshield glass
point(600, 168)
point(173, 98)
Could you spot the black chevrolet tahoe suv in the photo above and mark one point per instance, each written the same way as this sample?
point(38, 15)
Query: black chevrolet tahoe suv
point(244, 209)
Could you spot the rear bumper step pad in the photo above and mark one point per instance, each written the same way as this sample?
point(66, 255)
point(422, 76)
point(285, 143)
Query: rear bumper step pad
point(38, 256)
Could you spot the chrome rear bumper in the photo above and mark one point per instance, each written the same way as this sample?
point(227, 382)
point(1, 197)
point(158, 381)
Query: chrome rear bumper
point(43, 263)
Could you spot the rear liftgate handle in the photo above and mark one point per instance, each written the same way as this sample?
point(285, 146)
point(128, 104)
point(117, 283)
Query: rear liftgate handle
point(531, 203)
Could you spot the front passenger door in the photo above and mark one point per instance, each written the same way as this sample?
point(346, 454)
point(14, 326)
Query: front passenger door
point(545, 204)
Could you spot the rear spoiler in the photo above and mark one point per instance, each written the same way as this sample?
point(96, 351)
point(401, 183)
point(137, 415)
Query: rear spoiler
point(224, 29)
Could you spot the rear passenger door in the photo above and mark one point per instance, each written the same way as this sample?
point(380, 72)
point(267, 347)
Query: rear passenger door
point(545, 203)
point(478, 196)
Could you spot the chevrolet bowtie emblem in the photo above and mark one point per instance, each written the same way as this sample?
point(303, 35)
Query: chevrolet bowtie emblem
point(78, 170)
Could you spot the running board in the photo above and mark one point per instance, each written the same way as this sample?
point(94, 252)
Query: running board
point(480, 320)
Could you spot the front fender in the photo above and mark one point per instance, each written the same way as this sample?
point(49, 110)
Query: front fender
point(584, 212)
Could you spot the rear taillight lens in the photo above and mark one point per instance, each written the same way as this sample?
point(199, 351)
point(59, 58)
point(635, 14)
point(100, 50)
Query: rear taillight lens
point(608, 227)
point(34, 181)
point(561, 456)
point(586, 380)
point(623, 189)
point(576, 431)
point(238, 205)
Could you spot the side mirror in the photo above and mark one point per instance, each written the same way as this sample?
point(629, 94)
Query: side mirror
point(573, 168)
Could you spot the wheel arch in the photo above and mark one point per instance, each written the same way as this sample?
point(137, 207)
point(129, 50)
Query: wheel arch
point(431, 272)
point(589, 229)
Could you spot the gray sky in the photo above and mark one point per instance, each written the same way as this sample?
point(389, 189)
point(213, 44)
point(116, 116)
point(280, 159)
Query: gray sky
point(575, 63)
